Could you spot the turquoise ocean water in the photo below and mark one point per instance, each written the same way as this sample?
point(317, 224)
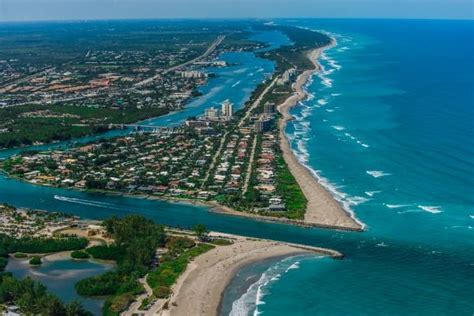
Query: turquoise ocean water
point(389, 130)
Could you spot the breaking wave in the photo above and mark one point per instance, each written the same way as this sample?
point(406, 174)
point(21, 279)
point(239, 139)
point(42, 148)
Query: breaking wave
point(431, 209)
point(255, 294)
point(377, 173)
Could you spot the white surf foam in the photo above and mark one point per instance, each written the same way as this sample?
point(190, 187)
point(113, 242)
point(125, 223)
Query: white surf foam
point(397, 205)
point(431, 209)
point(357, 200)
point(339, 128)
point(377, 173)
point(255, 294)
point(322, 102)
point(295, 265)
point(372, 193)
point(409, 211)
point(329, 110)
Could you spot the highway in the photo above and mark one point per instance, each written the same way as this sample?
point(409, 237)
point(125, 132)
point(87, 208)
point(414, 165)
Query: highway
point(209, 51)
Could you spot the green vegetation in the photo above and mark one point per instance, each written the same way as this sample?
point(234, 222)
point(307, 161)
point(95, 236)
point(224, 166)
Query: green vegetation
point(27, 130)
point(146, 303)
point(33, 298)
point(78, 254)
point(43, 245)
point(294, 56)
point(201, 231)
point(162, 278)
point(222, 242)
point(110, 283)
point(21, 255)
point(35, 261)
point(289, 189)
point(135, 241)
point(103, 252)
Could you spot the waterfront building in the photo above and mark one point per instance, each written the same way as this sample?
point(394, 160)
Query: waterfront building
point(227, 109)
point(269, 108)
point(211, 114)
point(263, 124)
point(192, 74)
point(288, 76)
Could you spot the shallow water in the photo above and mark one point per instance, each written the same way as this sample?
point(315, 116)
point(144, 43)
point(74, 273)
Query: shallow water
point(60, 276)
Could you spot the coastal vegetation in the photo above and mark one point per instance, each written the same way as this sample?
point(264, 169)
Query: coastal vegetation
point(295, 56)
point(106, 252)
point(32, 298)
point(289, 189)
point(35, 261)
point(64, 122)
point(135, 242)
point(42, 245)
point(171, 267)
point(79, 254)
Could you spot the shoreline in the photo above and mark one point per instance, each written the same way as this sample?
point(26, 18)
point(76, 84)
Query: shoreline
point(322, 208)
point(212, 206)
point(199, 291)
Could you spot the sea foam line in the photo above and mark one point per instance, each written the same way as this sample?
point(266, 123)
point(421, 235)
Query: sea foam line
point(377, 173)
point(302, 155)
point(431, 209)
point(254, 296)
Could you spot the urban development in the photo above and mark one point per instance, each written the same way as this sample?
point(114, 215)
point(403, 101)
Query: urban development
point(233, 158)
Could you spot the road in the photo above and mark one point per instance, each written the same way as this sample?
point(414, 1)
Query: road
point(257, 102)
point(214, 159)
point(209, 51)
point(249, 168)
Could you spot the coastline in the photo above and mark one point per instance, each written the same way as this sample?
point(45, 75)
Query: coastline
point(322, 208)
point(200, 289)
point(211, 205)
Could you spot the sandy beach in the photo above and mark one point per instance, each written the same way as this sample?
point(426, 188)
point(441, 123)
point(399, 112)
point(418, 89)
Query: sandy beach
point(199, 290)
point(322, 209)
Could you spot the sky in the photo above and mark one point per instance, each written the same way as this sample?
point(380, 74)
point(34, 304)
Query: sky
point(27, 10)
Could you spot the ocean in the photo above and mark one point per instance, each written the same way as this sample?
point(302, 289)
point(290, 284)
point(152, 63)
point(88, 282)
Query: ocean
point(389, 130)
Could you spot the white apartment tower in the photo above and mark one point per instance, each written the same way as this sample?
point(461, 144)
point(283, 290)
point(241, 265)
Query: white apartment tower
point(227, 109)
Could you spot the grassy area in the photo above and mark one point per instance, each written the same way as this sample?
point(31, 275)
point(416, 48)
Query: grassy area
point(162, 278)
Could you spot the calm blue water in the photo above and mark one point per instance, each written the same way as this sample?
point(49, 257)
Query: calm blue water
point(60, 276)
point(395, 115)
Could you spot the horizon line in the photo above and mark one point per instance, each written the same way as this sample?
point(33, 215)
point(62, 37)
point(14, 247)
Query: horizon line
point(231, 19)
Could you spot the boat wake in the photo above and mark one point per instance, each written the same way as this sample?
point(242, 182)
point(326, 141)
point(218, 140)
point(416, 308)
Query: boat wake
point(236, 84)
point(85, 202)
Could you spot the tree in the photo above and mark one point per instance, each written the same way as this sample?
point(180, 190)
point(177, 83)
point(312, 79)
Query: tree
point(35, 261)
point(201, 231)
